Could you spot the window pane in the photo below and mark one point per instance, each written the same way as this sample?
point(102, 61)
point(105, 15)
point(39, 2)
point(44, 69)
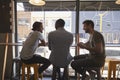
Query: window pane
point(48, 18)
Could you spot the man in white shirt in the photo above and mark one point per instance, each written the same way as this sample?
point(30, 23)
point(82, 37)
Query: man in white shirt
point(30, 45)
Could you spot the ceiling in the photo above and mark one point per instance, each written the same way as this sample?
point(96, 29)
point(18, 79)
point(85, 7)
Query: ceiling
point(65, 5)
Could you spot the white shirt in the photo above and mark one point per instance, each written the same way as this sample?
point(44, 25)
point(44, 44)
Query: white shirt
point(31, 44)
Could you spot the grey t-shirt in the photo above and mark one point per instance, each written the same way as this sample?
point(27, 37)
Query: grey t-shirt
point(59, 42)
point(30, 45)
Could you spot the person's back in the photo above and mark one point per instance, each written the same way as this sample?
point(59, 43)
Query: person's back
point(59, 42)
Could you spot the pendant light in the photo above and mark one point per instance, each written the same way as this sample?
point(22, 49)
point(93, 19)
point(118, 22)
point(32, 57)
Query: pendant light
point(37, 2)
point(117, 2)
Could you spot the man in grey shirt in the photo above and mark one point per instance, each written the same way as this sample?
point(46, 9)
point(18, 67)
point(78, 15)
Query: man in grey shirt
point(33, 41)
point(59, 42)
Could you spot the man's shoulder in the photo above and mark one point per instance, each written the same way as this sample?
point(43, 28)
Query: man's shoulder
point(52, 32)
point(69, 33)
point(98, 33)
point(59, 32)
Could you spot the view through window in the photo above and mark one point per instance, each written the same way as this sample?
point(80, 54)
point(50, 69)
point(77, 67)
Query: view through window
point(106, 21)
point(48, 18)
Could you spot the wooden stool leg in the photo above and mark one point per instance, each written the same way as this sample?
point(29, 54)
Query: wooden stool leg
point(28, 72)
point(23, 72)
point(109, 70)
point(114, 72)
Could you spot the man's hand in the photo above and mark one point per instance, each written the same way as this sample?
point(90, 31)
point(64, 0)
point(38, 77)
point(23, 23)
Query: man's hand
point(42, 43)
point(81, 45)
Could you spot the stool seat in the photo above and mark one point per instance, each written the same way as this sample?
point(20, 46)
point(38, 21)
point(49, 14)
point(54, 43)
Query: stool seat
point(28, 66)
point(112, 62)
point(96, 69)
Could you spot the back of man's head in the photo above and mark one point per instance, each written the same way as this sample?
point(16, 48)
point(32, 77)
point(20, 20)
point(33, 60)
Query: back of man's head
point(59, 23)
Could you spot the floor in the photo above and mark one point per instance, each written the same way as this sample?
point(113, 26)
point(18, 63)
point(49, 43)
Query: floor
point(71, 78)
point(104, 77)
point(44, 78)
point(48, 78)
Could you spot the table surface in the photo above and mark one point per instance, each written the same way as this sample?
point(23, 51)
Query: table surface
point(12, 44)
point(113, 60)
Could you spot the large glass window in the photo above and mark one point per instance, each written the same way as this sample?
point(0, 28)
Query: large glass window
point(105, 15)
point(26, 16)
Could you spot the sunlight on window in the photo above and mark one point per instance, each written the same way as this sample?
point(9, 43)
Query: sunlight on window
point(20, 7)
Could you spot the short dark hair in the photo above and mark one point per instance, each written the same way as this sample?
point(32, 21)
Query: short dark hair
point(89, 22)
point(60, 23)
point(36, 25)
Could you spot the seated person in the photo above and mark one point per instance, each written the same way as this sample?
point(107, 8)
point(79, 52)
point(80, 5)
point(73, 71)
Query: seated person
point(59, 42)
point(96, 47)
point(31, 43)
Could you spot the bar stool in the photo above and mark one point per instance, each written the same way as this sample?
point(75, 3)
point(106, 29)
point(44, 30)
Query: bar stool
point(57, 73)
point(112, 62)
point(96, 69)
point(28, 66)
